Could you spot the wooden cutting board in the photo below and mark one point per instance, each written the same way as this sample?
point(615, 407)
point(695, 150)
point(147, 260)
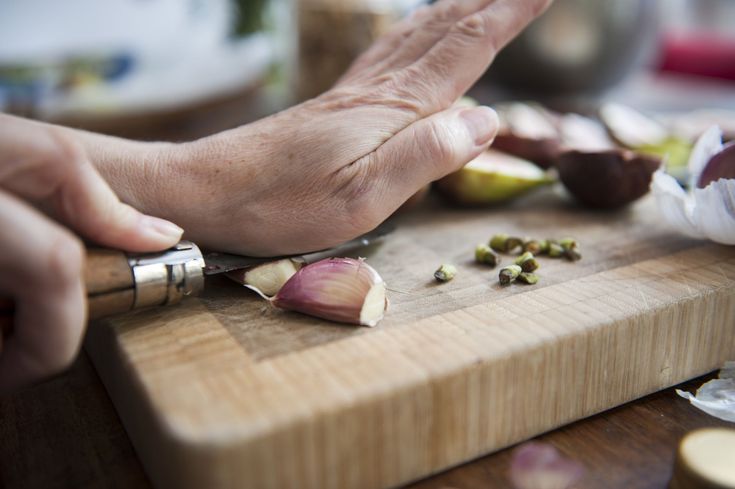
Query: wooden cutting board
point(223, 391)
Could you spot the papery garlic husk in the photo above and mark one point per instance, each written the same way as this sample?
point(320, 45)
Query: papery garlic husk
point(268, 278)
point(716, 397)
point(345, 290)
point(707, 212)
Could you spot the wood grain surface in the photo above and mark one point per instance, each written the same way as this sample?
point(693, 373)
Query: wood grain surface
point(64, 433)
point(224, 392)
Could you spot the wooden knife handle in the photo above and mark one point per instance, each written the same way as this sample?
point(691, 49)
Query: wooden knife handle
point(117, 282)
point(110, 282)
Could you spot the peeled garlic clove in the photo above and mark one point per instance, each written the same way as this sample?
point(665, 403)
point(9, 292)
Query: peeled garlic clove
point(491, 178)
point(338, 289)
point(606, 179)
point(268, 278)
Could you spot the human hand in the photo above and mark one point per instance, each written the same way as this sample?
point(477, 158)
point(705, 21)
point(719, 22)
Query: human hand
point(336, 166)
point(44, 172)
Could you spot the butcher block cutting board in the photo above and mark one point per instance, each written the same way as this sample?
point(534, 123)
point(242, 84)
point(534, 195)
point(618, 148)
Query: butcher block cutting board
point(223, 391)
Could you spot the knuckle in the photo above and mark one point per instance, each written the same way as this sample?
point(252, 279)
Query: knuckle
point(473, 27)
point(412, 88)
point(392, 90)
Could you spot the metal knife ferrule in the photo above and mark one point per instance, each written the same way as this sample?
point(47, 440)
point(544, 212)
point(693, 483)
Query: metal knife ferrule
point(167, 277)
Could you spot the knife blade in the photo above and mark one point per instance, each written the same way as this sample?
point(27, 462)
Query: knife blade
point(216, 262)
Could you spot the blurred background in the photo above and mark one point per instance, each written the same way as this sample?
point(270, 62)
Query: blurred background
point(180, 69)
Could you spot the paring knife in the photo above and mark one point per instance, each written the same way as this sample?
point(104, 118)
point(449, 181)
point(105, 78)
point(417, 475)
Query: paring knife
point(119, 282)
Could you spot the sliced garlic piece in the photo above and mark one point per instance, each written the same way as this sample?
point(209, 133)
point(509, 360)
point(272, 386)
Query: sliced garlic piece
point(268, 278)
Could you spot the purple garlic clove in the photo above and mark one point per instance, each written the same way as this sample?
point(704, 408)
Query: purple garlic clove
point(338, 289)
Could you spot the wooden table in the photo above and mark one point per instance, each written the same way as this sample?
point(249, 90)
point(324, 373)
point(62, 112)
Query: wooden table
point(65, 433)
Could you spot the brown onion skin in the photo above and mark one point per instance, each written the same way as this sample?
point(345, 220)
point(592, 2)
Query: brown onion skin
point(606, 179)
point(722, 165)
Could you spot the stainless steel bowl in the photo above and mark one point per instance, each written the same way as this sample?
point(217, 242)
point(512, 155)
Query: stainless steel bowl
point(578, 46)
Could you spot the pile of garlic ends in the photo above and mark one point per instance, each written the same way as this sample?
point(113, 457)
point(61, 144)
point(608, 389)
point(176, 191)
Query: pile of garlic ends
point(707, 208)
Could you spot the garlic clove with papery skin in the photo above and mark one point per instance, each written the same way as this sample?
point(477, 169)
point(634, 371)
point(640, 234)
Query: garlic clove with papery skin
point(345, 290)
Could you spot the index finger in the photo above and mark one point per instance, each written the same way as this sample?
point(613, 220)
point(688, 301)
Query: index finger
point(41, 270)
point(458, 59)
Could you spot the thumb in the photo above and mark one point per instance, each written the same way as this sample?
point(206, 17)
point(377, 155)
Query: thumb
point(430, 149)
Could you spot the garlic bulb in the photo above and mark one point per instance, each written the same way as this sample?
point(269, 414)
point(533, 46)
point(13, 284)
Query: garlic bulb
point(707, 212)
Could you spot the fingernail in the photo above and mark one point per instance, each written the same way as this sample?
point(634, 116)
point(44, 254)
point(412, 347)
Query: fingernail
point(482, 122)
point(162, 227)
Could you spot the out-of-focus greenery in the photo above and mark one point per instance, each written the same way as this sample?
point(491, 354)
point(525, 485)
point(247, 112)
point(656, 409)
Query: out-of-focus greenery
point(250, 16)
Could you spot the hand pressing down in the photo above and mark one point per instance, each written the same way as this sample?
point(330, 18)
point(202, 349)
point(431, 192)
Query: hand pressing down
point(334, 167)
point(43, 173)
point(310, 177)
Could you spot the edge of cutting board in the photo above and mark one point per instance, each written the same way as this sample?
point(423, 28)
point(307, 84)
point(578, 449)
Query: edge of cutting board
point(576, 348)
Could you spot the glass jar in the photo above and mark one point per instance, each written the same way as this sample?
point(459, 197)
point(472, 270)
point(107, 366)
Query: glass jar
point(332, 33)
